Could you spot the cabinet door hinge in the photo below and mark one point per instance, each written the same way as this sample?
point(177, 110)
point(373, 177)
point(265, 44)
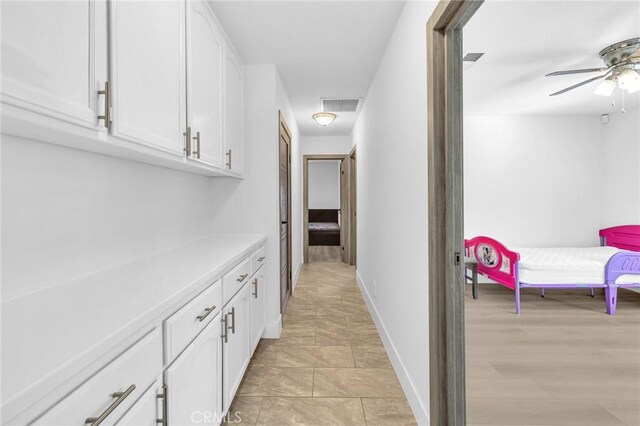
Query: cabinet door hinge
point(187, 141)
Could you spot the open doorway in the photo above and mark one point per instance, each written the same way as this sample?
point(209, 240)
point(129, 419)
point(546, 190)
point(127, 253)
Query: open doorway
point(325, 207)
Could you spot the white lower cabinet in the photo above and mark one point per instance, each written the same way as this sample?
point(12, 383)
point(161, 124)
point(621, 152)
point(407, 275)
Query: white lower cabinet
point(148, 410)
point(236, 349)
point(257, 307)
point(207, 345)
point(108, 394)
point(194, 381)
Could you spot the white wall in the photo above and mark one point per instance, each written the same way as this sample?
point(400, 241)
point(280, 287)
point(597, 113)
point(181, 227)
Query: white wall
point(251, 205)
point(325, 144)
point(533, 181)
point(621, 166)
point(390, 135)
point(324, 184)
point(68, 213)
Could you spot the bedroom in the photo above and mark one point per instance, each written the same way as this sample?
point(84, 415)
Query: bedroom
point(548, 179)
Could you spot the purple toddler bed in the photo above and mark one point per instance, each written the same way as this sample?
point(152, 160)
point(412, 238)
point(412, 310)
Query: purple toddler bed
point(616, 263)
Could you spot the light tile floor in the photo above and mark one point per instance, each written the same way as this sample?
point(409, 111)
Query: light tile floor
point(328, 367)
point(563, 361)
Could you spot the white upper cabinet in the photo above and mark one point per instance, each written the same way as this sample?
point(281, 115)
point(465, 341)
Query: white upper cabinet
point(147, 60)
point(233, 111)
point(54, 58)
point(204, 84)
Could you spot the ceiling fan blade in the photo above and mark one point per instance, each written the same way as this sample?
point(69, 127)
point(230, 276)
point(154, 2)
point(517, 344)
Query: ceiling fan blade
point(575, 86)
point(580, 71)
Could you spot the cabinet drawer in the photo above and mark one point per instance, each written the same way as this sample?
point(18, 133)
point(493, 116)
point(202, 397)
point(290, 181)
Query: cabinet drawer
point(257, 259)
point(183, 326)
point(114, 389)
point(234, 280)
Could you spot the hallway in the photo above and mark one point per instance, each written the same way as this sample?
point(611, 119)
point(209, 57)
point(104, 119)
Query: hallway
point(328, 367)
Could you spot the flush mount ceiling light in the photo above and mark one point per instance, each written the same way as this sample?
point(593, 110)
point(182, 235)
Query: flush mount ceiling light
point(324, 118)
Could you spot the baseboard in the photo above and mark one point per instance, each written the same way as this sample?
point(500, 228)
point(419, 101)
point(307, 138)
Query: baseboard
point(272, 330)
point(296, 275)
point(420, 412)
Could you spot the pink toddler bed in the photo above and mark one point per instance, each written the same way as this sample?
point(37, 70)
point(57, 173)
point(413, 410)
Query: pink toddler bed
point(616, 263)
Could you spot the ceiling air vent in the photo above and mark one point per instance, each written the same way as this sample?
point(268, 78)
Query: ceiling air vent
point(340, 105)
point(472, 57)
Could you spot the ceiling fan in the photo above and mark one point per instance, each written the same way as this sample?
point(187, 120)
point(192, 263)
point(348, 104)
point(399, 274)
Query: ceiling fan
point(622, 68)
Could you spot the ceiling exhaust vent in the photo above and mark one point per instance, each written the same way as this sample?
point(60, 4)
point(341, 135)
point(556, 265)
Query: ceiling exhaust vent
point(472, 57)
point(340, 105)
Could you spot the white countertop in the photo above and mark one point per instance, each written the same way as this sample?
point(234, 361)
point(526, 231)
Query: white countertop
point(71, 329)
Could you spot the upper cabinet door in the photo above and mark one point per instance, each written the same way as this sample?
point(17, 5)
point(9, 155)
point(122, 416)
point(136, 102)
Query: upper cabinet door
point(147, 59)
point(204, 83)
point(233, 111)
point(54, 58)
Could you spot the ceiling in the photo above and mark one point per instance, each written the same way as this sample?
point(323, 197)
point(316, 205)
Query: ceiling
point(322, 49)
point(524, 40)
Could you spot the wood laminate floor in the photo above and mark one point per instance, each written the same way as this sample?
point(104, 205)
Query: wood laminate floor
point(563, 361)
point(325, 254)
point(328, 367)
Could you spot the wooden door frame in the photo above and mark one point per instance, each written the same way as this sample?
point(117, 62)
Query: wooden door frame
point(353, 222)
point(445, 196)
point(305, 200)
point(282, 125)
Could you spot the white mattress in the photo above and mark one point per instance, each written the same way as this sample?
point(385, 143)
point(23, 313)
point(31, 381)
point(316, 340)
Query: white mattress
point(575, 265)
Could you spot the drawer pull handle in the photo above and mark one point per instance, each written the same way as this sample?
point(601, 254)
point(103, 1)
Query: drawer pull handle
point(255, 288)
point(242, 277)
point(165, 405)
point(260, 259)
point(233, 320)
point(206, 313)
point(119, 397)
point(225, 332)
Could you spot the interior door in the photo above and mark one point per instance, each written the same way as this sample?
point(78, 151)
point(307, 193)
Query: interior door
point(194, 380)
point(204, 84)
point(147, 60)
point(344, 211)
point(285, 213)
point(54, 58)
point(353, 207)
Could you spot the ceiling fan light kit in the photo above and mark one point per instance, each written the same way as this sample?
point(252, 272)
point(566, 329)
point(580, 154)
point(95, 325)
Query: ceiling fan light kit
point(606, 87)
point(622, 62)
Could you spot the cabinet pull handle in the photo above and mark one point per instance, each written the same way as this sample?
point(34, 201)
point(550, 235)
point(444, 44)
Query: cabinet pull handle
point(225, 332)
point(206, 313)
point(260, 259)
point(187, 141)
point(197, 139)
point(242, 277)
point(165, 405)
point(119, 397)
point(233, 320)
point(107, 104)
point(229, 157)
point(255, 287)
